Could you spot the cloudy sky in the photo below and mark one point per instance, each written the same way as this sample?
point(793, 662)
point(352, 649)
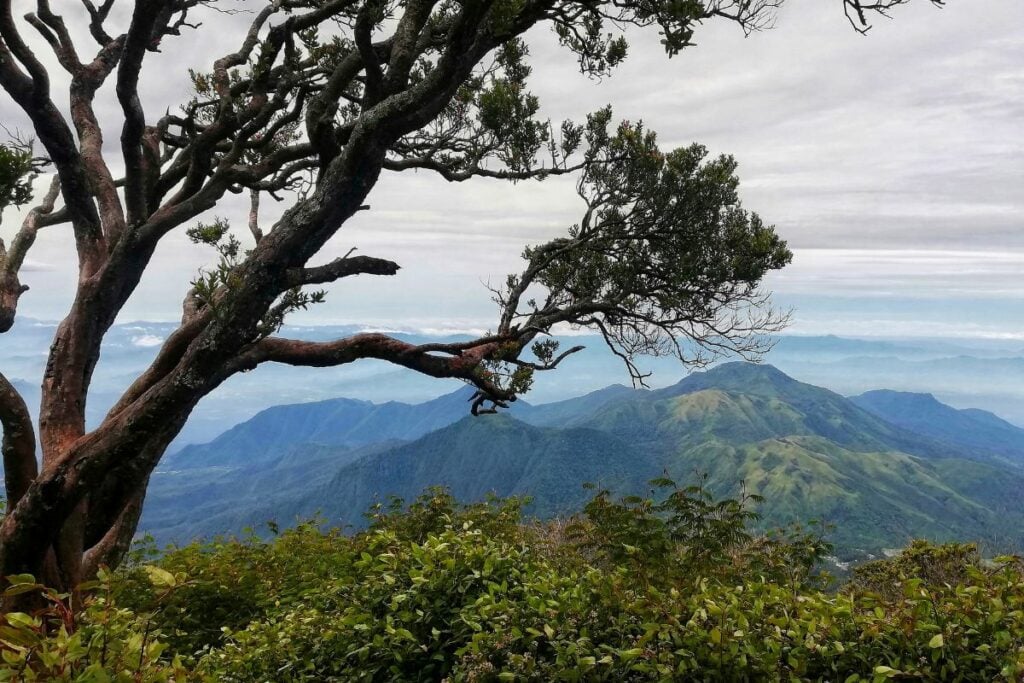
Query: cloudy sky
point(893, 163)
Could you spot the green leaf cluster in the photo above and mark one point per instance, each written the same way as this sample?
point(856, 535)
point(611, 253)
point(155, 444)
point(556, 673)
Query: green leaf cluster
point(17, 172)
point(689, 533)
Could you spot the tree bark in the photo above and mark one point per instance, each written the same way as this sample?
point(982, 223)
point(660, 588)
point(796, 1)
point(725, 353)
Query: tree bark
point(19, 443)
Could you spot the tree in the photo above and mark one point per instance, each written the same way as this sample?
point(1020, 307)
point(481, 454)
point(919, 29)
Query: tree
point(316, 101)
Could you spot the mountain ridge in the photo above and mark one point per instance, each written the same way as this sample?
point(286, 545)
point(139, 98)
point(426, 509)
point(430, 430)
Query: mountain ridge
point(810, 451)
point(969, 428)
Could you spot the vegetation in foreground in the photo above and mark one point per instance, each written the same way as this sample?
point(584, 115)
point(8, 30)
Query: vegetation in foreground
point(630, 590)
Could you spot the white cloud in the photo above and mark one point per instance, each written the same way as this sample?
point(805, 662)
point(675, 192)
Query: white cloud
point(146, 341)
point(918, 273)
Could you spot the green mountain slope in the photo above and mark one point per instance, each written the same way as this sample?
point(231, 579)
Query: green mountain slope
point(268, 435)
point(872, 499)
point(810, 452)
point(497, 454)
point(205, 501)
point(779, 405)
point(561, 413)
point(474, 457)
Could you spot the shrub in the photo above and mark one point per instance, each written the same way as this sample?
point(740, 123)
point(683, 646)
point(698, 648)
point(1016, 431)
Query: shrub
point(436, 510)
point(690, 534)
point(443, 591)
point(102, 642)
point(935, 565)
point(232, 582)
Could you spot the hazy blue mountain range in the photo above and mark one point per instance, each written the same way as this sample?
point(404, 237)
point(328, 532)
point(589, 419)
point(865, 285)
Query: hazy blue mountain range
point(811, 452)
point(335, 422)
point(973, 430)
point(989, 382)
point(965, 373)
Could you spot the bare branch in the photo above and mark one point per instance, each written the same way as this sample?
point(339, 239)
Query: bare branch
point(117, 541)
point(456, 175)
point(857, 11)
point(13, 42)
point(98, 15)
point(32, 95)
point(465, 365)
point(369, 15)
point(254, 215)
point(550, 365)
point(38, 217)
point(342, 267)
point(139, 39)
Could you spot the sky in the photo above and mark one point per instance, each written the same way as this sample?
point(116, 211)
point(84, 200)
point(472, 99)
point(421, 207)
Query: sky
point(893, 163)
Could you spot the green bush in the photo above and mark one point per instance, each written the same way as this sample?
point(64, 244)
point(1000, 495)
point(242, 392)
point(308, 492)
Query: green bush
point(688, 533)
point(102, 642)
point(950, 564)
point(463, 607)
point(633, 590)
point(234, 582)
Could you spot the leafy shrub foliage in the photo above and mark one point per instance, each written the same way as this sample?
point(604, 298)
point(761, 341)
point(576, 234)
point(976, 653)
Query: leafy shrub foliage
point(675, 587)
point(17, 171)
point(936, 565)
point(99, 642)
point(688, 533)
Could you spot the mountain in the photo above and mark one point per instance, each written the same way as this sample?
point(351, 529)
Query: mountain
point(969, 429)
point(497, 454)
point(564, 412)
point(811, 453)
point(875, 498)
point(184, 504)
point(345, 422)
point(742, 402)
point(814, 454)
point(984, 380)
point(474, 457)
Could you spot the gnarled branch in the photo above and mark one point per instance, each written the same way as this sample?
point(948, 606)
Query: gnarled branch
point(342, 267)
point(19, 442)
point(463, 364)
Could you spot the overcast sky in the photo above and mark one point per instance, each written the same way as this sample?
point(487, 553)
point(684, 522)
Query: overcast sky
point(893, 163)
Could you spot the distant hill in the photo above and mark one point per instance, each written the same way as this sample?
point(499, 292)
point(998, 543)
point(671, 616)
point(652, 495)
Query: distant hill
point(561, 413)
point(198, 502)
point(969, 429)
point(475, 456)
point(337, 422)
point(811, 453)
point(983, 380)
point(496, 454)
